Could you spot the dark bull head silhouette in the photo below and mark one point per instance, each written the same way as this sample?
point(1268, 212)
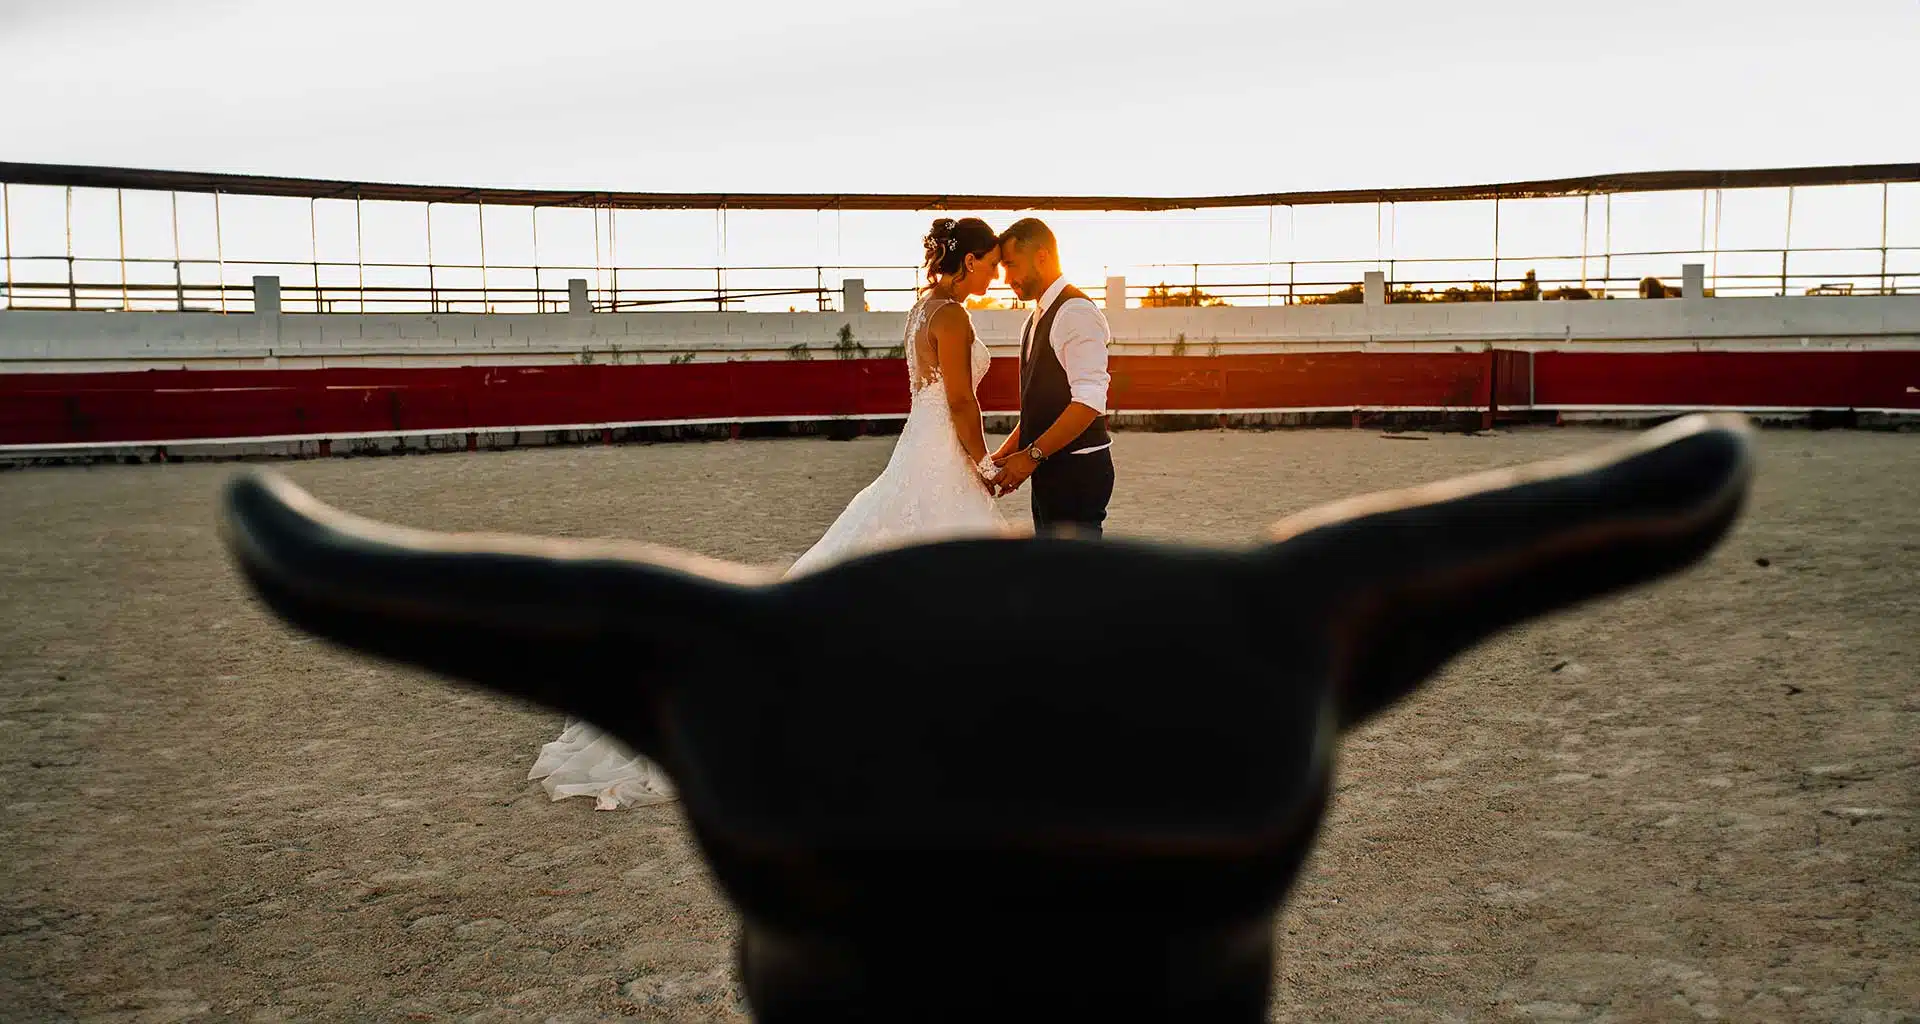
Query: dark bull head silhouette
point(986, 779)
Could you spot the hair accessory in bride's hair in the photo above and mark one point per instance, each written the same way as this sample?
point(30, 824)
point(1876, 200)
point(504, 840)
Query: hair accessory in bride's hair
point(949, 242)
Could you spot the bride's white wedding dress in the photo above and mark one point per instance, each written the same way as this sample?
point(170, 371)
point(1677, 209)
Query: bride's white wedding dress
point(929, 491)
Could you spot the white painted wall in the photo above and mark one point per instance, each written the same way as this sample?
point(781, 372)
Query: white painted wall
point(54, 341)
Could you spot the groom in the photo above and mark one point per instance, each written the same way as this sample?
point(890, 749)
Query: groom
point(1061, 440)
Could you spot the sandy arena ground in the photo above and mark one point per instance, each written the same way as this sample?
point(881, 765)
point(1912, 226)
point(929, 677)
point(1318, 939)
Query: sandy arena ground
point(1697, 801)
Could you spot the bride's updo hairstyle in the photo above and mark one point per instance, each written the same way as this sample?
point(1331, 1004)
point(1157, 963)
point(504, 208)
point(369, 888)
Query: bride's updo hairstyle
point(949, 242)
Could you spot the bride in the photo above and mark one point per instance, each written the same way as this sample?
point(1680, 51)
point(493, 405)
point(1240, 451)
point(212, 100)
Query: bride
point(936, 486)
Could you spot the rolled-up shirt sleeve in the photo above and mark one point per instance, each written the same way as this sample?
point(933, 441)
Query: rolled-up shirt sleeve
point(1080, 336)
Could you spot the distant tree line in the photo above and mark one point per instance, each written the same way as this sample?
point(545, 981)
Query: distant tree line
point(1528, 290)
point(1160, 296)
point(1164, 296)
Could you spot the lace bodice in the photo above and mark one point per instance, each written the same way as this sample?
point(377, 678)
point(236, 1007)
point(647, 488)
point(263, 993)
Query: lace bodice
point(923, 361)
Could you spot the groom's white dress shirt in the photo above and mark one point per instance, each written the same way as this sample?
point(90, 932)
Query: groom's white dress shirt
point(1080, 336)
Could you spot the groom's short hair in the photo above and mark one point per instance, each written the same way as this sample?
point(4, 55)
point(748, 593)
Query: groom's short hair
point(1030, 231)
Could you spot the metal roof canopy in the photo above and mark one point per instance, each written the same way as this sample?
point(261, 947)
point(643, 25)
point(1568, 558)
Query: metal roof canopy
point(258, 185)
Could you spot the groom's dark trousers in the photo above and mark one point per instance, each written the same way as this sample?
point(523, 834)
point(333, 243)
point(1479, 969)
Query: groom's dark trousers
point(1073, 490)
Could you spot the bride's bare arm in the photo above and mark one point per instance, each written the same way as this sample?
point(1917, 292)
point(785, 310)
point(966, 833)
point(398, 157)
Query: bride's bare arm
point(952, 332)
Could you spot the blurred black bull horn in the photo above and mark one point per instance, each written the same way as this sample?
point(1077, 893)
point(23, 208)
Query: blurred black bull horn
point(995, 779)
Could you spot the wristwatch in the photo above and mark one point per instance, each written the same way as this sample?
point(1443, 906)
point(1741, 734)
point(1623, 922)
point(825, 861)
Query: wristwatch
point(1036, 454)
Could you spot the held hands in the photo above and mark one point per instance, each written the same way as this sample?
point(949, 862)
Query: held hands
point(1014, 469)
point(989, 473)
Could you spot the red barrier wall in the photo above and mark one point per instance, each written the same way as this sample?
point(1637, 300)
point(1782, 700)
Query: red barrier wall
point(1827, 379)
point(180, 405)
point(163, 405)
point(1321, 380)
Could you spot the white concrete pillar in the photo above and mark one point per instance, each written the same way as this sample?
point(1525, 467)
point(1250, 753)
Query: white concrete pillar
point(266, 295)
point(1693, 280)
point(1375, 290)
point(1116, 293)
point(853, 295)
point(577, 301)
point(266, 314)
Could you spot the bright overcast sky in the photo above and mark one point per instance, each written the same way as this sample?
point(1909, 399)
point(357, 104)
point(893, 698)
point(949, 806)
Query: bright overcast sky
point(1073, 97)
point(1113, 97)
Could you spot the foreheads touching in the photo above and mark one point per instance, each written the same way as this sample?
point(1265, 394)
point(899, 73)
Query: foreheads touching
point(963, 255)
point(1031, 257)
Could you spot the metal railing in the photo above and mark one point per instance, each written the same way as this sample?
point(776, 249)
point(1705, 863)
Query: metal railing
point(197, 286)
point(1864, 270)
point(42, 274)
point(194, 285)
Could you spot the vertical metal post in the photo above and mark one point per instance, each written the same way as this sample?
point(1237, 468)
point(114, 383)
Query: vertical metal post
point(538, 305)
point(613, 252)
point(719, 272)
point(220, 251)
point(359, 257)
point(599, 281)
point(1703, 220)
point(1269, 274)
point(1586, 219)
point(120, 220)
point(433, 291)
point(1719, 206)
point(1607, 284)
point(179, 286)
point(6, 218)
point(1788, 244)
point(313, 255)
point(484, 308)
point(73, 293)
point(1883, 238)
point(1496, 248)
point(1393, 246)
point(1293, 254)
